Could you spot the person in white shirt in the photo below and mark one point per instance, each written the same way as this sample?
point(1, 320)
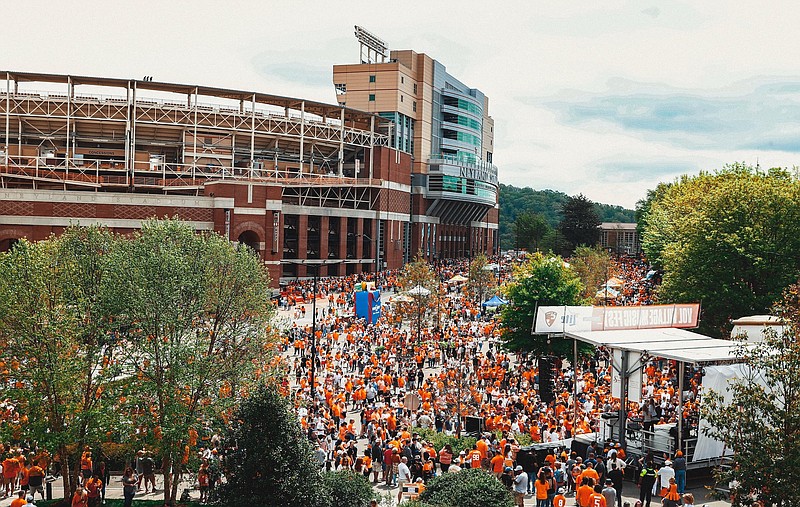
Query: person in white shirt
point(664, 474)
point(403, 476)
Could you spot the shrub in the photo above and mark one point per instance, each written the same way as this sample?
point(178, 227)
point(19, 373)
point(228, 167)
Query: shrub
point(438, 440)
point(348, 489)
point(467, 488)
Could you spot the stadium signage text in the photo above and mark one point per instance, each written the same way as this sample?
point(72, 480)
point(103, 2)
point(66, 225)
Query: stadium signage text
point(559, 319)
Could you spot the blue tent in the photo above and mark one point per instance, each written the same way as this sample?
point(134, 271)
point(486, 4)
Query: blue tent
point(495, 302)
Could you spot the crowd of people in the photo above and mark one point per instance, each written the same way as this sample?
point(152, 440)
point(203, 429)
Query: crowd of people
point(381, 390)
point(380, 387)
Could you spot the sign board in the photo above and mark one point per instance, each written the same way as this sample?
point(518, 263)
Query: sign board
point(563, 319)
point(411, 490)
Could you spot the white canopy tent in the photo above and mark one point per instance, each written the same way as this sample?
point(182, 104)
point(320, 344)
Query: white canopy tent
point(668, 343)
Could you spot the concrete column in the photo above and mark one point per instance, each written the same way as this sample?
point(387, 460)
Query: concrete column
point(323, 237)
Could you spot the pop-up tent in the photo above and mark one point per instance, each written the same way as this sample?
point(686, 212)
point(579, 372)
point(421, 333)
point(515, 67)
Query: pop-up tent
point(494, 302)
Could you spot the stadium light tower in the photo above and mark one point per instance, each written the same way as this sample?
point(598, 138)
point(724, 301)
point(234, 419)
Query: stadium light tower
point(375, 47)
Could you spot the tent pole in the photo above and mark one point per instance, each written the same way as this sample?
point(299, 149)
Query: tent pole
point(623, 397)
point(679, 414)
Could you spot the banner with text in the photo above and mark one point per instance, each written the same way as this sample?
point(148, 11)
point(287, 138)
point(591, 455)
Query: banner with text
point(563, 319)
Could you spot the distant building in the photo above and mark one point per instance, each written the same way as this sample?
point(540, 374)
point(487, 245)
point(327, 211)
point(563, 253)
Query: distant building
point(621, 238)
point(445, 126)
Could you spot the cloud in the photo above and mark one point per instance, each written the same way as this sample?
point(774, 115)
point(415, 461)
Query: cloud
point(757, 114)
point(625, 170)
point(653, 11)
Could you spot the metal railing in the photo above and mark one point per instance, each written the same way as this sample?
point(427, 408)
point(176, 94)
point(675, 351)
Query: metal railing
point(101, 173)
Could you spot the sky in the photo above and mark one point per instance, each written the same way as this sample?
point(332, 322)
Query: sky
point(604, 98)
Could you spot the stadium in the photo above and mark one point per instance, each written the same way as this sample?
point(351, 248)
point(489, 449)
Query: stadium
point(301, 182)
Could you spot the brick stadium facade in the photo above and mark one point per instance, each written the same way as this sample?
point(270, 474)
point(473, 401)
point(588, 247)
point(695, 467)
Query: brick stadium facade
point(301, 182)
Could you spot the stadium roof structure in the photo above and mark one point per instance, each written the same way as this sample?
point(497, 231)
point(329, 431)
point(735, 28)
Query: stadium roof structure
point(668, 343)
point(319, 108)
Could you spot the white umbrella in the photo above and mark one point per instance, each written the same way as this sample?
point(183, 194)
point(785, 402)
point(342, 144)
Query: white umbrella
point(419, 290)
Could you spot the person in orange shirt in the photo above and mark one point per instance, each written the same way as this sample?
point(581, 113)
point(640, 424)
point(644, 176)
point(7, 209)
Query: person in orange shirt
point(540, 486)
point(474, 457)
point(498, 464)
point(596, 499)
point(80, 498)
point(20, 500)
point(584, 492)
point(94, 487)
point(560, 500)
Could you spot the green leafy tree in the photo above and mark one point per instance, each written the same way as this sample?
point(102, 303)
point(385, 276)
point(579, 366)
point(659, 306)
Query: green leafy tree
point(274, 463)
point(194, 311)
point(530, 229)
point(539, 281)
point(580, 222)
point(55, 336)
point(729, 239)
point(467, 488)
point(760, 422)
point(482, 279)
point(592, 265)
point(348, 489)
point(515, 201)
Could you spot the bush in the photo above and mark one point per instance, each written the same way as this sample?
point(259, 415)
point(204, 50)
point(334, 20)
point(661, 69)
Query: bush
point(348, 489)
point(467, 488)
point(438, 440)
point(273, 463)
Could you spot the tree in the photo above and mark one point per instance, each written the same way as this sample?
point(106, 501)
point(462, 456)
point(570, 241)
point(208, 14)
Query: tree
point(580, 222)
point(539, 281)
point(530, 229)
point(273, 463)
point(761, 421)
point(467, 488)
point(481, 278)
point(421, 285)
point(55, 335)
point(592, 265)
point(194, 312)
point(515, 201)
point(729, 239)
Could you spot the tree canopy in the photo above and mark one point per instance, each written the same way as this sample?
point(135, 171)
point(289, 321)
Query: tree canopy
point(539, 281)
point(728, 239)
point(760, 421)
point(274, 462)
point(514, 201)
point(579, 222)
point(140, 340)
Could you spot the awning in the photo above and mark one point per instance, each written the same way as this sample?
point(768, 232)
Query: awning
point(668, 343)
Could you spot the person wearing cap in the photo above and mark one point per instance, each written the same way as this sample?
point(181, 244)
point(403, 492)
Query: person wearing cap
point(679, 465)
point(609, 493)
point(520, 486)
point(507, 478)
point(664, 474)
point(560, 500)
